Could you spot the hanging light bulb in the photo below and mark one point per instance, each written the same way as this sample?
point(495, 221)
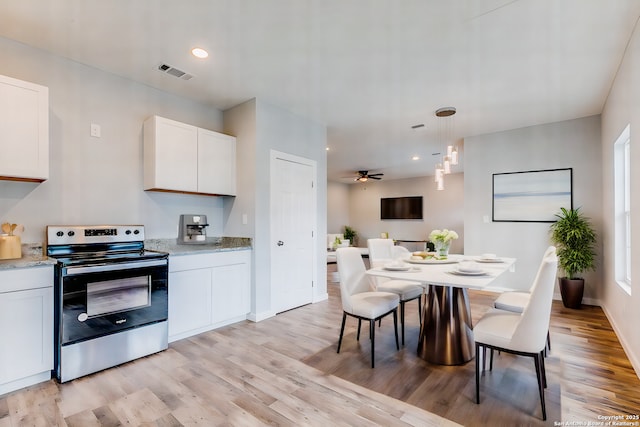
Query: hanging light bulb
point(439, 172)
point(447, 165)
point(445, 133)
point(440, 185)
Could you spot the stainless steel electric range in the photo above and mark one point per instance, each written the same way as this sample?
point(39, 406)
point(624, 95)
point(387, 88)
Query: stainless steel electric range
point(111, 297)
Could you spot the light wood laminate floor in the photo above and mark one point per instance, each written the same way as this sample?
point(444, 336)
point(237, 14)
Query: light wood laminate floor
point(285, 371)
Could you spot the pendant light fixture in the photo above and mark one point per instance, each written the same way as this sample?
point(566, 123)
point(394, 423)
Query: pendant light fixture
point(445, 136)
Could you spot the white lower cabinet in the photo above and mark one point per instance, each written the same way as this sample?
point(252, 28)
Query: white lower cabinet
point(26, 327)
point(208, 290)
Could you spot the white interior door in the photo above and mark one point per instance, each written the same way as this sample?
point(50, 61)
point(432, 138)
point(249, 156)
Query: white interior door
point(293, 219)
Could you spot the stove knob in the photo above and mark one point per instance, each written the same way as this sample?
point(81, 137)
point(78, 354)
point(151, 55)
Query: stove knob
point(71, 233)
point(59, 234)
point(127, 232)
point(136, 232)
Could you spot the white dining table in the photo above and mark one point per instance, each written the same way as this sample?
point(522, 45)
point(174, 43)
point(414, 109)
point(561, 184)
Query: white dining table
point(446, 331)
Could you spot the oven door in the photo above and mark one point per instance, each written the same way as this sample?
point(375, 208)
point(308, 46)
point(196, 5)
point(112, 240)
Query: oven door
point(97, 300)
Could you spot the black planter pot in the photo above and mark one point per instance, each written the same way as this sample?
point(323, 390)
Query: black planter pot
point(571, 291)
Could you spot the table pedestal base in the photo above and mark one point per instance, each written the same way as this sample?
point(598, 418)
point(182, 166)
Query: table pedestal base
point(446, 333)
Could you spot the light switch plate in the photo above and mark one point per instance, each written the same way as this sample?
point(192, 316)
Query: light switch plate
point(95, 130)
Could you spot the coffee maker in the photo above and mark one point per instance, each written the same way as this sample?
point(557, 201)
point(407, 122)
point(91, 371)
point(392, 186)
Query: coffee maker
point(192, 229)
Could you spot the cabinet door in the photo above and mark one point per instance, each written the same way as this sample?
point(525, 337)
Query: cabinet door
point(26, 333)
point(24, 130)
point(231, 292)
point(189, 301)
point(216, 163)
point(170, 155)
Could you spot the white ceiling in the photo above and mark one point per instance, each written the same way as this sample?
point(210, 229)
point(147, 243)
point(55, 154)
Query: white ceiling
point(367, 69)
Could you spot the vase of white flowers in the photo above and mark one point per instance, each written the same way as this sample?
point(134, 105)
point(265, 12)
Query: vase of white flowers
point(442, 241)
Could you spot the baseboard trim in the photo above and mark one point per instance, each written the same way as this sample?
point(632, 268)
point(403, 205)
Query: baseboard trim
point(258, 317)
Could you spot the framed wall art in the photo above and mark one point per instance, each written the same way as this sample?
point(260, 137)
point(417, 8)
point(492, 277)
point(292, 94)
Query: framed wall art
point(531, 196)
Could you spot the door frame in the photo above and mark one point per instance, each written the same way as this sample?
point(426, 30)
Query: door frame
point(274, 157)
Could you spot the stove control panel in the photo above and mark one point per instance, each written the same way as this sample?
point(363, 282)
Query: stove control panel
point(82, 234)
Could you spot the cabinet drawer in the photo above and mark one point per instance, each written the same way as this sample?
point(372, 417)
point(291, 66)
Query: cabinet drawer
point(207, 260)
point(21, 279)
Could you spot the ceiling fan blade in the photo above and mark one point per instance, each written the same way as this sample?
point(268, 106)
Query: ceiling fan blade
point(374, 177)
point(376, 174)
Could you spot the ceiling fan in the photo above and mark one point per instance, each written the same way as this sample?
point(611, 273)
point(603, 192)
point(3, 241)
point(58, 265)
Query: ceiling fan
point(363, 176)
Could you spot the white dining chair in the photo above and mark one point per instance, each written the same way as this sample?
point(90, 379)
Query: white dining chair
point(382, 252)
point(523, 333)
point(359, 300)
point(516, 301)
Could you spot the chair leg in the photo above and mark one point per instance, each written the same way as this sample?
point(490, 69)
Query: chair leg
point(478, 372)
point(549, 340)
point(359, 325)
point(344, 319)
point(484, 358)
point(402, 303)
point(420, 309)
point(539, 359)
point(544, 371)
point(491, 360)
point(372, 330)
point(395, 327)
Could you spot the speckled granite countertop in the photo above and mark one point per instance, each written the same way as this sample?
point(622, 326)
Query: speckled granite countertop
point(33, 253)
point(213, 244)
point(32, 256)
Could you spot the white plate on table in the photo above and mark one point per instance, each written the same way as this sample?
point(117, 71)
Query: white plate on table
point(433, 261)
point(489, 260)
point(468, 272)
point(391, 267)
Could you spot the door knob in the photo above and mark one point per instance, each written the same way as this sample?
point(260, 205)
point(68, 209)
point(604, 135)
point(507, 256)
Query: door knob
point(280, 243)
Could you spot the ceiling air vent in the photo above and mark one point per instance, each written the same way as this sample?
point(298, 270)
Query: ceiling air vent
point(168, 69)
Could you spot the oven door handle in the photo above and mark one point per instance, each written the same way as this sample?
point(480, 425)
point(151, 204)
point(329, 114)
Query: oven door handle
point(74, 271)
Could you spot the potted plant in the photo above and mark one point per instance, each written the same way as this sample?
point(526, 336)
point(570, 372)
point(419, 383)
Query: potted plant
point(350, 234)
point(574, 238)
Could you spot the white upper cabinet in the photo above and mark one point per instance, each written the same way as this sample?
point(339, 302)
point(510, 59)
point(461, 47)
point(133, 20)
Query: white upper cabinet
point(24, 130)
point(170, 155)
point(216, 163)
point(184, 158)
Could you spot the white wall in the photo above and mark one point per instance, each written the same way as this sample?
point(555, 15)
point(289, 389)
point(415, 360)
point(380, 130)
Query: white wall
point(442, 209)
point(261, 128)
point(622, 108)
point(337, 207)
point(98, 180)
point(570, 144)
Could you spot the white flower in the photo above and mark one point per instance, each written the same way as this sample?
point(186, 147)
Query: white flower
point(443, 235)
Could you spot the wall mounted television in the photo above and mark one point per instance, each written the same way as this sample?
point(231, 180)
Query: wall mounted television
point(401, 207)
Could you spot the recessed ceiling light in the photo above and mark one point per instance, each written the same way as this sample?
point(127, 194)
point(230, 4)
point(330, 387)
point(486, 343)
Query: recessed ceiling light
point(415, 158)
point(199, 52)
point(328, 148)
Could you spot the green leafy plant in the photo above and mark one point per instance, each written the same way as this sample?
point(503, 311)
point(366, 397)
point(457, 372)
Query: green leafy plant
point(350, 234)
point(575, 239)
